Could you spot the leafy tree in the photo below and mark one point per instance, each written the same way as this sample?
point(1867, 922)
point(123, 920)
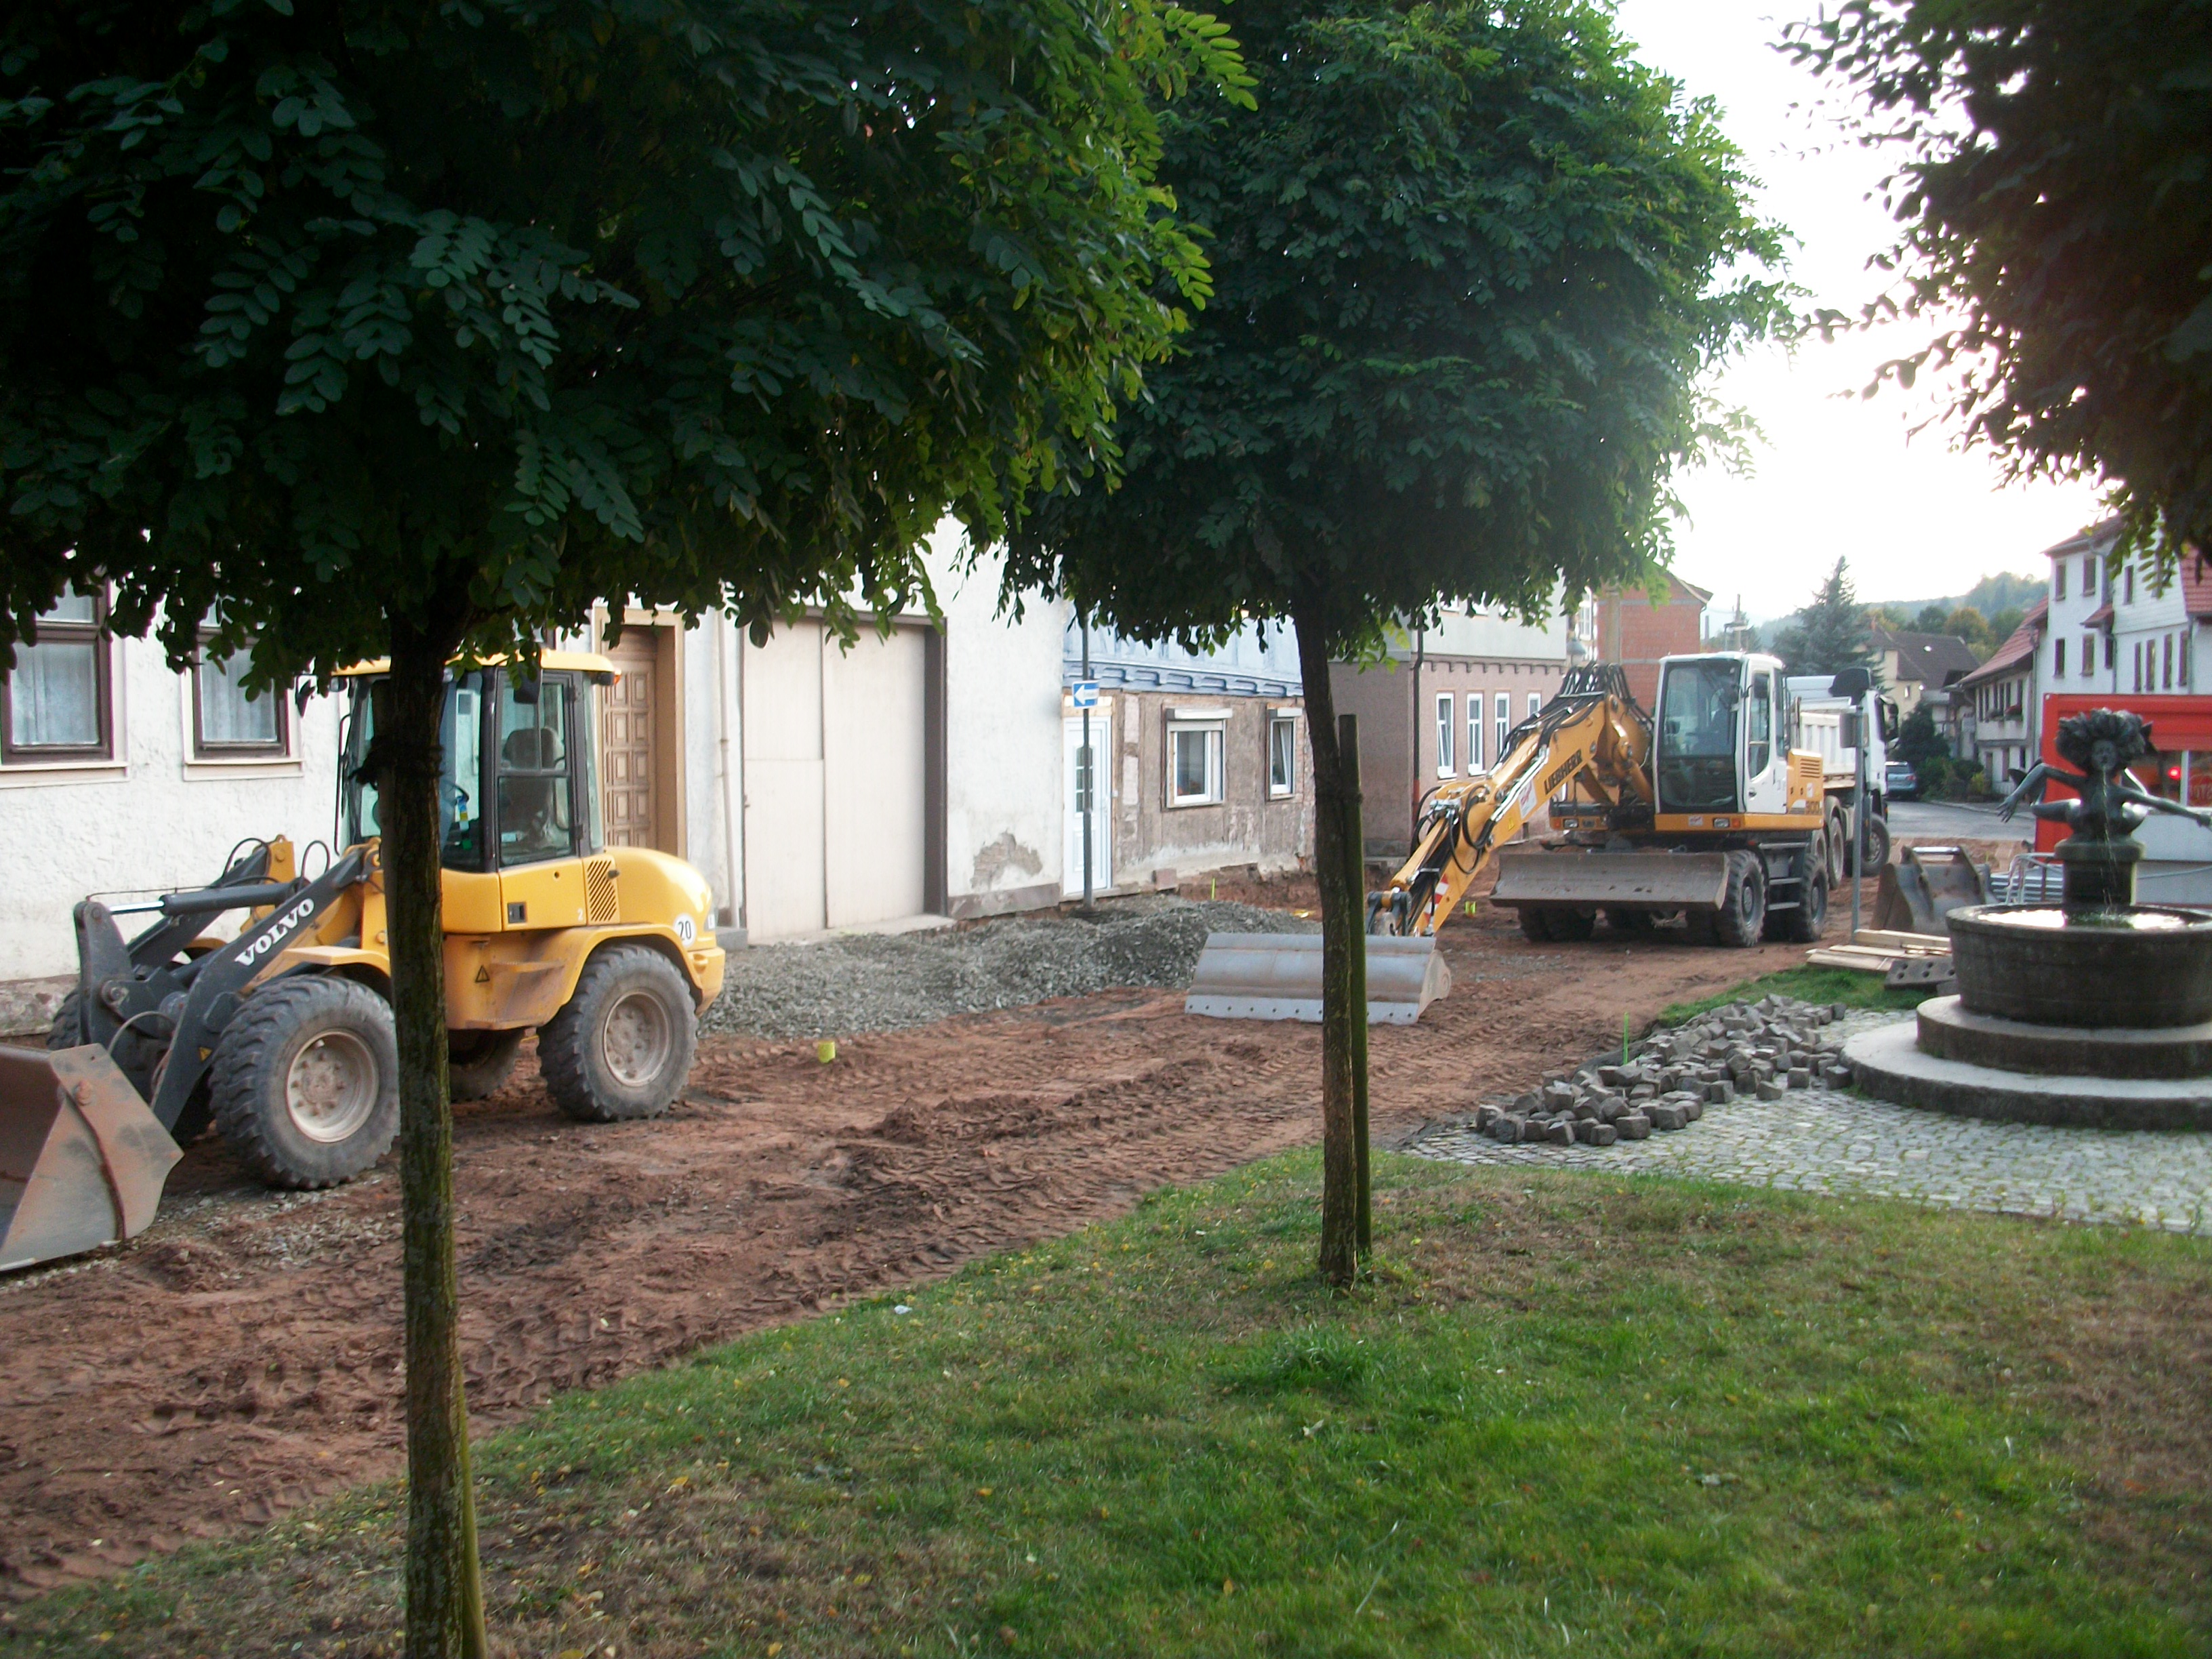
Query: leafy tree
point(1971, 626)
point(2004, 624)
point(410, 328)
point(2052, 199)
point(1918, 740)
point(1830, 635)
point(1931, 620)
point(1467, 268)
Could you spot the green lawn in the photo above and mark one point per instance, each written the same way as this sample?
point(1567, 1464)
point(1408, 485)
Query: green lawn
point(1572, 1414)
point(1844, 985)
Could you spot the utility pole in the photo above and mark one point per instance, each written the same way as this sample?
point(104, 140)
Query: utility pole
point(1085, 769)
point(1420, 645)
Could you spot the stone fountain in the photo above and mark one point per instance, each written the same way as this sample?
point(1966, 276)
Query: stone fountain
point(2097, 1012)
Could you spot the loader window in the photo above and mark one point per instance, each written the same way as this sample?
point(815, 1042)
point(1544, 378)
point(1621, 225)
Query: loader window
point(460, 738)
point(1699, 701)
point(534, 798)
point(1760, 752)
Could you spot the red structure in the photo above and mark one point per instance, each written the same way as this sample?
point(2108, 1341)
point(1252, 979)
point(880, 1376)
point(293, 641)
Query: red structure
point(2181, 726)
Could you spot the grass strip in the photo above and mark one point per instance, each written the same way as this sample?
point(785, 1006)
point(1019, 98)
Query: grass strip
point(1845, 984)
point(1570, 1414)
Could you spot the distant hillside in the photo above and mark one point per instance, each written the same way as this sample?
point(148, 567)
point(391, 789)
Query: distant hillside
point(1989, 596)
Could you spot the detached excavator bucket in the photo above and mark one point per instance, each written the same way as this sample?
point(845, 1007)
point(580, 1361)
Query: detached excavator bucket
point(81, 1159)
point(1278, 976)
point(1921, 889)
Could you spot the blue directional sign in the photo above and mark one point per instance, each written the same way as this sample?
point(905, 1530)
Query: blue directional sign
point(1086, 694)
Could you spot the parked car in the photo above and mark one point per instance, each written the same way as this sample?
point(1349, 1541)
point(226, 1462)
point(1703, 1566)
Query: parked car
point(1900, 782)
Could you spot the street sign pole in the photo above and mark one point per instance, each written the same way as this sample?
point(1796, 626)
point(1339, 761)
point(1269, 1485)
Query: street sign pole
point(1086, 770)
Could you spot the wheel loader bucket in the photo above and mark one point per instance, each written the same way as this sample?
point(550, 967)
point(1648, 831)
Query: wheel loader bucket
point(1613, 881)
point(1278, 976)
point(81, 1159)
point(1919, 892)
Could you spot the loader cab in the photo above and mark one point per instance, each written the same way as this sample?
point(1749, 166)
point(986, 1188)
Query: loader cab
point(518, 781)
point(1721, 739)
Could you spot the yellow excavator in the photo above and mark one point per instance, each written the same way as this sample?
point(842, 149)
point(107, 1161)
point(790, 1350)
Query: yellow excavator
point(1703, 811)
point(281, 1037)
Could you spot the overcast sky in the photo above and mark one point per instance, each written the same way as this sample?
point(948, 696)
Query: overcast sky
point(1916, 516)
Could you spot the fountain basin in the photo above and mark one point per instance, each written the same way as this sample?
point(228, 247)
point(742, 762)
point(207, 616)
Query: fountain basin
point(2147, 967)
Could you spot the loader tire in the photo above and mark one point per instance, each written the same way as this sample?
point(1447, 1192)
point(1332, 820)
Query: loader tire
point(305, 1081)
point(1742, 915)
point(477, 1062)
point(623, 1046)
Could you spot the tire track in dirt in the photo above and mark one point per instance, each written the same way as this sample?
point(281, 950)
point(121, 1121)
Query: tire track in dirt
point(242, 1358)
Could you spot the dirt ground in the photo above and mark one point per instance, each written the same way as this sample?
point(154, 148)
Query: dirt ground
point(243, 1356)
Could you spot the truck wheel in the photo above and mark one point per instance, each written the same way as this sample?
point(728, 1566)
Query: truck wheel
point(477, 1062)
point(623, 1046)
point(1803, 925)
point(1877, 842)
point(305, 1081)
point(1836, 843)
point(1742, 915)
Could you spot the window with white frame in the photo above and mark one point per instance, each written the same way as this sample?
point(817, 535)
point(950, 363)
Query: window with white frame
point(1282, 756)
point(1446, 724)
point(56, 703)
point(2059, 581)
point(2059, 658)
point(1474, 762)
point(1194, 760)
point(228, 724)
point(2088, 655)
point(1502, 721)
point(1536, 704)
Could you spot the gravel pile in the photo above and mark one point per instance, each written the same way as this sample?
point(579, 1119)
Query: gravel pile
point(1764, 1048)
point(885, 983)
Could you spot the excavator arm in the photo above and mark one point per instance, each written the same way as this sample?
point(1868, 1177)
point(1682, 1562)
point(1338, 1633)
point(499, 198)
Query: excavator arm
point(1592, 733)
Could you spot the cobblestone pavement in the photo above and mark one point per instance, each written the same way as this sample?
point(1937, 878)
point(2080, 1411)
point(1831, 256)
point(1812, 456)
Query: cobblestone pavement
point(1823, 1140)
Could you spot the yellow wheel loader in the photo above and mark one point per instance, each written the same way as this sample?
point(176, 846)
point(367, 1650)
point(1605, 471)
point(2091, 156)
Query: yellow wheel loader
point(1705, 811)
point(282, 1036)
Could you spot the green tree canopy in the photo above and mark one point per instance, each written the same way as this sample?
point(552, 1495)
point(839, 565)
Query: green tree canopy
point(1931, 620)
point(417, 326)
point(1970, 625)
point(2053, 200)
point(1471, 264)
point(1831, 634)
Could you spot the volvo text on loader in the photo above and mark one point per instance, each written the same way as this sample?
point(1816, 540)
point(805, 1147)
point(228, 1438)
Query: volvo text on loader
point(1705, 811)
point(282, 1036)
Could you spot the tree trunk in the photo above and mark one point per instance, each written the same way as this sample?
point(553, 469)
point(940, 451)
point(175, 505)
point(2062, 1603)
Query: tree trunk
point(1355, 853)
point(445, 1589)
point(1343, 966)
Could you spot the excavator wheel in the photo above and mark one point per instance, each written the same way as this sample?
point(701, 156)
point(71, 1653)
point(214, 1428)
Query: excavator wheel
point(305, 1081)
point(1803, 925)
point(1742, 915)
point(477, 1062)
point(623, 1046)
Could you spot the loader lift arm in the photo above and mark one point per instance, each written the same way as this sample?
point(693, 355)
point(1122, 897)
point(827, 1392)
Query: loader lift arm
point(1592, 732)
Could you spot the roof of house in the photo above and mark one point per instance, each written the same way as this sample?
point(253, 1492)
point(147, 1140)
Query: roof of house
point(1677, 590)
point(1926, 659)
point(2095, 539)
point(2196, 585)
point(2018, 648)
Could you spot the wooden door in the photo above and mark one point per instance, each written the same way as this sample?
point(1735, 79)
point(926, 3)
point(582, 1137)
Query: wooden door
point(627, 743)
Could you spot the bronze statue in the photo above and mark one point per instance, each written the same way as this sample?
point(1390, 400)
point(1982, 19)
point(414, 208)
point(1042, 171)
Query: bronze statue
point(2099, 857)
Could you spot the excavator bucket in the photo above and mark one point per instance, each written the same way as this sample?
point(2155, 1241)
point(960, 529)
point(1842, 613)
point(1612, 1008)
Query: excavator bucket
point(1617, 881)
point(83, 1161)
point(1919, 892)
point(1278, 976)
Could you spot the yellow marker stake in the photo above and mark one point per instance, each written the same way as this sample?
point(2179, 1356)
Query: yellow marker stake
point(825, 1051)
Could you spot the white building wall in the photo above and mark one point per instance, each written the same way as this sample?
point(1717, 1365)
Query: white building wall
point(1005, 802)
point(152, 821)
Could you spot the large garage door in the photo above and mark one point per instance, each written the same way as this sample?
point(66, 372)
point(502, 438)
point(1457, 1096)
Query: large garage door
point(836, 770)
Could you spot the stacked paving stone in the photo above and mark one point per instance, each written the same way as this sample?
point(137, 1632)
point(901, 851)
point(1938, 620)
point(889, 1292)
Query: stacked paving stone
point(1764, 1048)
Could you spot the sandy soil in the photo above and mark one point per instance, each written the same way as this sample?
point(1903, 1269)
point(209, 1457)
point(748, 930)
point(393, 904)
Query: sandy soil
point(243, 1356)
